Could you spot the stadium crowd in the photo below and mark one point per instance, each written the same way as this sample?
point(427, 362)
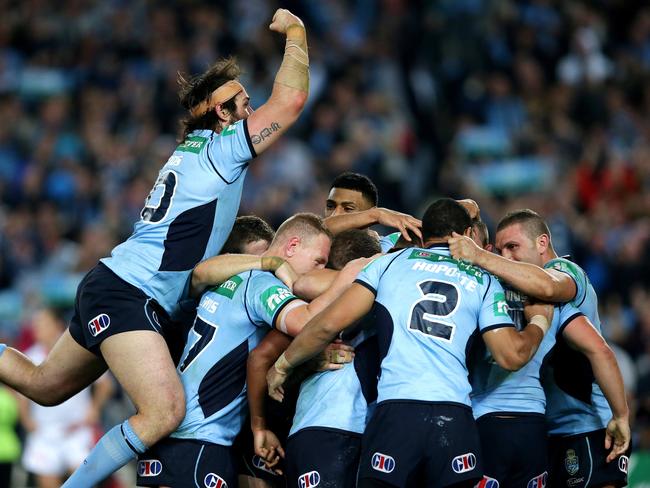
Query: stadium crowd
point(541, 104)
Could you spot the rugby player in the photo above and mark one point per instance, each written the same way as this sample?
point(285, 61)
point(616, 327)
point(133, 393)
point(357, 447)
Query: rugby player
point(187, 216)
point(428, 306)
point(231, 320)
point(586, 410)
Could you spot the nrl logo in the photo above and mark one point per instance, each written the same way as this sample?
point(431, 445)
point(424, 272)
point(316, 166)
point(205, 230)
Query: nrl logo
point(571, 462)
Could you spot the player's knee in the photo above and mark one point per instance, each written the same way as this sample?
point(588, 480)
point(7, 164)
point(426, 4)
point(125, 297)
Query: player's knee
point(170, 412)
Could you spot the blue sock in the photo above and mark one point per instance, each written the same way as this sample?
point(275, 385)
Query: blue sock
point(118, 446)
point(2, 348)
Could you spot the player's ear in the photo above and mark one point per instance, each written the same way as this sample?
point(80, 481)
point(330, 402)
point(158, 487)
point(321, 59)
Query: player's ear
point(222, 112)
point(542, 243)
point(292, 246)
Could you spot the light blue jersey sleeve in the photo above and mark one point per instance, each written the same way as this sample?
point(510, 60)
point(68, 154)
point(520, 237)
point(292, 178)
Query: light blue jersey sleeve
point(494, 307)
point(266, 296)
point(574, 271)
point(233, 142)
point(388, 242)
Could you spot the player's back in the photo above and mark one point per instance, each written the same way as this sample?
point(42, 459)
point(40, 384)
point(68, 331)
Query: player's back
point(231, 320)
point(575, 403)
point(187, 215)
point(428, 308)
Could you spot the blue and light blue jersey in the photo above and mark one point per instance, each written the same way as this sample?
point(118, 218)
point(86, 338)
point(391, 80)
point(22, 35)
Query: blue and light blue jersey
point(340, 399)
point(232, 319)
point(497, 390)
point(575, 404)
point(388, 242)
point(428, 308)
point(188, 214)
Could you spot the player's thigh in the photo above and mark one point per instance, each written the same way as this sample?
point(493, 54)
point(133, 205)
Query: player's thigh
point(393, 445)
point(323, 456)
point(250, 482)
point(141, 363)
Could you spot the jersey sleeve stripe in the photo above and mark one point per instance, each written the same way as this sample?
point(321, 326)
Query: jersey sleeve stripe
point(277, 312)
point(495, 326)
point(248, 140)
point(561, 328)
point(250, 275)
point(207, 153)
point(366, 285)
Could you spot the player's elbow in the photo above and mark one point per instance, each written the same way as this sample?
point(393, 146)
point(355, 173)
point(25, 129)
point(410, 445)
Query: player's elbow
point(511, 362)
point(547, 291)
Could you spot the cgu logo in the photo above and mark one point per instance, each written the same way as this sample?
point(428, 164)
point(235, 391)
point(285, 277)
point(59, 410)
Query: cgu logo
point(149, 467)
point(382, 462)
point(309, 480)
point(538, 481)
point(463, 463)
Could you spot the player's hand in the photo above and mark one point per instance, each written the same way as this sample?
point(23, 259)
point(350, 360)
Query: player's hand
point(463, 248)
point(286, 275)
point(268, 447)
point(349, 272)
point(471, 206)
point(538, 308)
point(617, 437)
point(275, 379)
point(335, 356)
point(406, 224)
point(283, 19)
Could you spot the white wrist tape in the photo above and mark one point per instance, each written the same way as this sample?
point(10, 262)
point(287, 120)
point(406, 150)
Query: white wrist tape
point(282, 366)
point(541, 322)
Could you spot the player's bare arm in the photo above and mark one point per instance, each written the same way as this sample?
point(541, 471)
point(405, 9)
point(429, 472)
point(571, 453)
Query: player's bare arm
point(315, 283)
point(408, 225)
point(291, 86)
point(351, 306)
point(217, 269)
point(548, 285)
point(512, 349)
point(583, 336)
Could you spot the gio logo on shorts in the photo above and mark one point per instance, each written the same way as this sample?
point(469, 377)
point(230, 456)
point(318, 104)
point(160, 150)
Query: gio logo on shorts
point(99, 324)
point(309, 480)
point(211, 480)
point(463, 463)
point(383, 463)
point(571, 462)
point(258, 462)
point(538, 481)
point(149, 467)
point(488, 482)
point(623, 463)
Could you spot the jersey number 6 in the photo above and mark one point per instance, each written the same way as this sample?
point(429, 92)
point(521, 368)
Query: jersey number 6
point(427, 314)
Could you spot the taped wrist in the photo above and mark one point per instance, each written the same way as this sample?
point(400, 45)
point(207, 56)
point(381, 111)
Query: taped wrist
point(282, 366)
point(541, 322)
point(294, 70)
point(271, 263)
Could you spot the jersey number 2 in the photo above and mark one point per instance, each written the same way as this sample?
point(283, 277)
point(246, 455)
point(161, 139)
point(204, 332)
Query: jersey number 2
point(428, 314)
point(205, 331)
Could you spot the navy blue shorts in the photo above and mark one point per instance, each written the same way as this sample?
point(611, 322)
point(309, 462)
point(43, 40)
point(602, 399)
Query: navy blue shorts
point(323, 457)
point(182, 462)
point(514, 450)
point(106, 305)
point(410, 443)
point(580, 460)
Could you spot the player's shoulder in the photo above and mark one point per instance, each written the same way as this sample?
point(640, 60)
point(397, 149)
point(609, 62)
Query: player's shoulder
point(566, 266)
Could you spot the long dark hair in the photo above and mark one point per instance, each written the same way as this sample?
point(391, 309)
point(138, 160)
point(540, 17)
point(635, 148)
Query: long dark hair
point(199, 88)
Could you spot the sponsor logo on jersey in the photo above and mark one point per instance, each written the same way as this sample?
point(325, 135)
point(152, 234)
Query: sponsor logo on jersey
point(538, 481)
point(258, 462)
point(463, 463)
point(275, 296)
point(193, 144)
point(462, 266)
point(99, 324)
point(149, 467)
point(383, 462)
point(488, 482)
point(574, 481)
point(623, 463)
point(228, 288)
point(500, 305)
point(230, 130)
point(571, 462)
point(309, 480)
point(211, 480)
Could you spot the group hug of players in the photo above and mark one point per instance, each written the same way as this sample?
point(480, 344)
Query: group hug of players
point(462, 373)
point(437, 363)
